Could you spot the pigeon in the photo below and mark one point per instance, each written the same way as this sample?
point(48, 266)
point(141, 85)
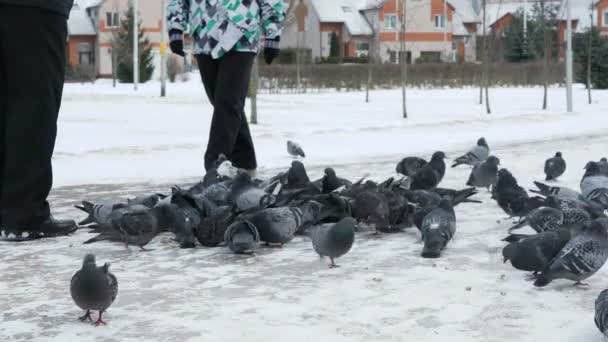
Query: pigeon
point(245, 196)
point(426, 178)
point(278, 226)
point(545, 218)
point(485, 174)
point(212, 230)
point(297, 178)
point(561, 192)
point(603, 166)
point(242, 237)
point(601, 313)
point(371, 208)
point(147, 201)
point(438, 228)
point(218, 193)
point(555, 167)
point(478, 154)
point(135, 225)
point(98, 213)
point(512, 198)
point(409, 166)
point(331, 182)
point(295, 150)
point(581, 258)
point(185, 213)
point(535, 252)
point(594, 185)
point(93, 288)
point(334, 240)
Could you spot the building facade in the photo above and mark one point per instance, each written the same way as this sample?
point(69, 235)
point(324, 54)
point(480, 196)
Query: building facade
point(602, 17)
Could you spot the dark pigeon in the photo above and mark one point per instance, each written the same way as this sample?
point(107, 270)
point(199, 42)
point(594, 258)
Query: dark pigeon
point(534, 253)
point(581, 258)
point(295, 150)
point(603, 166)
point(601, 313)
point(546, 218)
point(425, 179)
point(555, 167)
point(93, 288)
point(98, 213)
point(438, 228)
point(135, 226)
point(594, 185)
point(297, 177)
point(512, 198)
point(331, 182)
point(185, 215)
point(372, 208)
point(212, 230)
point(334, 240)
point(409, 166)
point(242, 237)
point(485, 174)
point(476, 155)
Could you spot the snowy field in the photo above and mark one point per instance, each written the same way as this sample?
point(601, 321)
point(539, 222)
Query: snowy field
point(114, 143)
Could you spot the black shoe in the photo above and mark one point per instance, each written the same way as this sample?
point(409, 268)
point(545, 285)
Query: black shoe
point(47, 229)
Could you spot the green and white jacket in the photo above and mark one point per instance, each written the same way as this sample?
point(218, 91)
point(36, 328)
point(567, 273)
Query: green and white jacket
point(219, 26)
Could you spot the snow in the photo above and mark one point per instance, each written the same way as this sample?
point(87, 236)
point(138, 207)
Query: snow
point(117, 142)
point(343, 11)
point(464, 13)
point(79, 23)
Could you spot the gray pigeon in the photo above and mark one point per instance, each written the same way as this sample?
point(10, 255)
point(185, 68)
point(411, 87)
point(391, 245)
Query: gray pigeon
point(295, 150)
point(594, 185)
point(218, 193)
point(546, 218)
point(98, 213)
point(244, 195)
point(555, 167)
point(581, 258)
point(93, 288)
point(485, 174)
point(148, 201)
point(601, 313)
point(477, 154)
point(242, 237)
point(135, 226)
point(604, 166)
point(334, 240)
point(438, 228)
point(535, 252)
point(558, 191)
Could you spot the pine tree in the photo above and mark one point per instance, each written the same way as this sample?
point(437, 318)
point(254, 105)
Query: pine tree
point(334, 46)
point(123, 43)
point(599, 58)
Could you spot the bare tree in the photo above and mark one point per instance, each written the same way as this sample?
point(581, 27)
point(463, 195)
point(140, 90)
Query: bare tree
point(547, 52)
point(486, 60)
point(370, 58)
point(403, 58)
point(590, 51)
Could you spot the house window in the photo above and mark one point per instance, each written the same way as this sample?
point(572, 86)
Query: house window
point(390, 22)
point(430, 57)
point(112, 19)
point(605, 18)
point(439, 21)
point(85, 54)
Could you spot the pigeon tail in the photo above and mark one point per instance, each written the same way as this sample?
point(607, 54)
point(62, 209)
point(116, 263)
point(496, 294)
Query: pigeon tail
point(88, 208)
point(516, 237)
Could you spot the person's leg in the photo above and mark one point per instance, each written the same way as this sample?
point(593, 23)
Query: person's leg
point(209, 68)
point(34, 62)
point(3, 92)
point(231, 130)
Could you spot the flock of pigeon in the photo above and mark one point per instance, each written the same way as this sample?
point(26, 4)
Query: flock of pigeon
point(241, 213)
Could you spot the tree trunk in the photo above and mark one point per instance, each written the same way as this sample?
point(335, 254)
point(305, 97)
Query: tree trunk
point(589, 59)
point(369, 70)
point(486, 60)
point(547, 56)
point(253, 92)
point(403, 60)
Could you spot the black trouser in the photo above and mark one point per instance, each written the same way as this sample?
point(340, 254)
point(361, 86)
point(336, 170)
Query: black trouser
point(226, 82)
point(32, 63)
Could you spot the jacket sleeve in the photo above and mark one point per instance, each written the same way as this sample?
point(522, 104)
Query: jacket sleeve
point(273, 15)
point(178, 15)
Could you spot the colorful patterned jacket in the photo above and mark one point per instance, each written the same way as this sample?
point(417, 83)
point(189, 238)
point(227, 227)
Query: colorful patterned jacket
point(219, 26)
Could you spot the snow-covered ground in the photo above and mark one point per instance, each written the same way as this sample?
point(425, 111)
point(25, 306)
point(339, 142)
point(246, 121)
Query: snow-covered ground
point(114, 143)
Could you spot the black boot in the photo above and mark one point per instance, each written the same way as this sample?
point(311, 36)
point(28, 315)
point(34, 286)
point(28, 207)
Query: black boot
point(47, 229)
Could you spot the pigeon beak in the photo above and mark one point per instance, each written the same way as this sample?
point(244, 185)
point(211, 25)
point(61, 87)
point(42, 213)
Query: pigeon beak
point(505, 260)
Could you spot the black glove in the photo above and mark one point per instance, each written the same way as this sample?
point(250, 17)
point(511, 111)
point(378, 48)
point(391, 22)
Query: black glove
point(271, 50)
point(176, 44)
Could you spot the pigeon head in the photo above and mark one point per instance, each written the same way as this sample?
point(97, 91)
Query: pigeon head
point(438, 156)
point(432, 246)
point(400, 168)
point(592, 168)
point(482, 142)
point(604, 160)
point(509, 252)
point(89, 262)
point(558, 154)
point(446, 203)
point(505, 177)
point(492, 160)
point(330, 172)
point(552, 202)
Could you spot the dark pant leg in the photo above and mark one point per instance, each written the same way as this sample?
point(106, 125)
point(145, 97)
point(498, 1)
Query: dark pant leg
point(32, 45)
point(3, 92)
point(208, 68)
point(230, 133)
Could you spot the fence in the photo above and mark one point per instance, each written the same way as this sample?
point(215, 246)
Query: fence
point(352, 77)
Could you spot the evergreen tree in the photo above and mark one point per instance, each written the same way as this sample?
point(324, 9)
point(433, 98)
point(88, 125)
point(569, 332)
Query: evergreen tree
point(517, 44)
point(334, 46)
point(599, 58)
point(537, 26)
point(123, 43)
